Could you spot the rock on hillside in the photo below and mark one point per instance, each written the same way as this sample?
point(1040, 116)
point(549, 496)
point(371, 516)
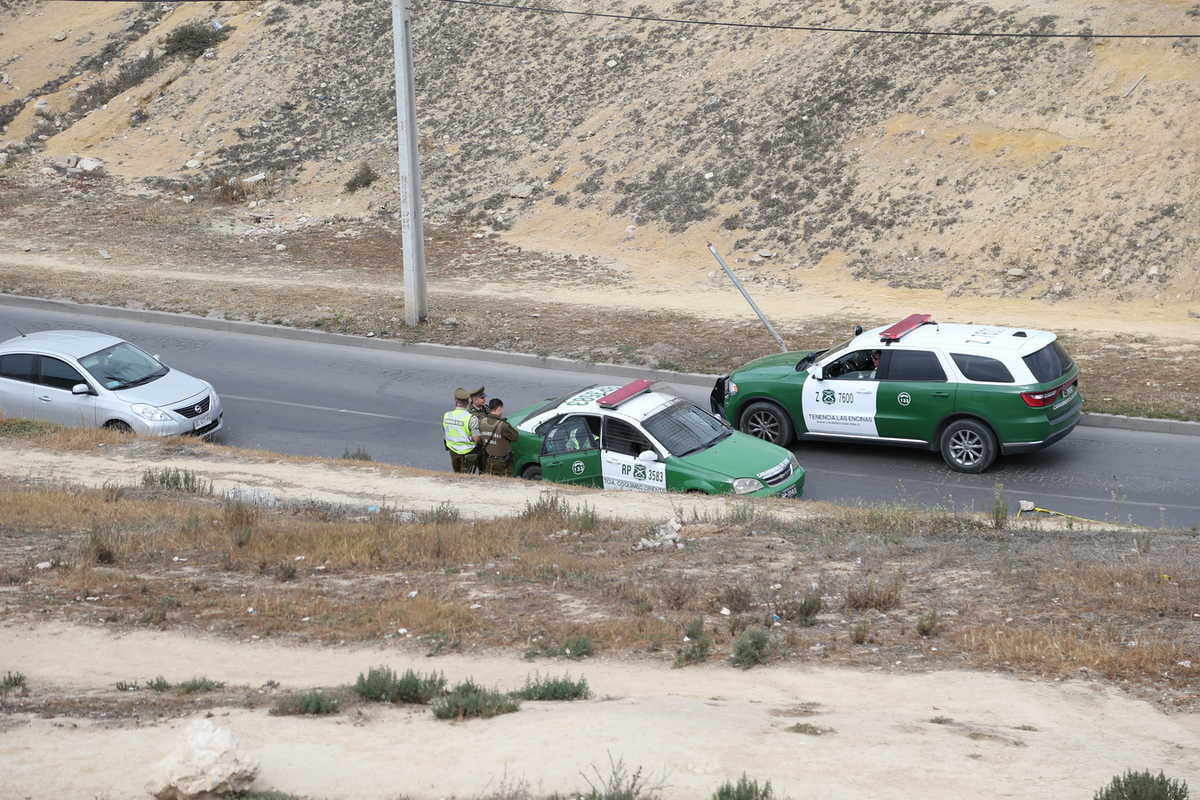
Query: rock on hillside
point(1042, 167)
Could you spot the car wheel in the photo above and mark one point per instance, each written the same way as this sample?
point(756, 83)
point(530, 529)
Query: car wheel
point(533, 472)
point(968, 446)
point(767, 421)
point(118, 426)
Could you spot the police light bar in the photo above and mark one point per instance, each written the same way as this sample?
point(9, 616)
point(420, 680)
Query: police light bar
point(906, 325)
point(629, 390)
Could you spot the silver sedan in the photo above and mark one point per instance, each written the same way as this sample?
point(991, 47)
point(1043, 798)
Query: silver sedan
point(84, 379)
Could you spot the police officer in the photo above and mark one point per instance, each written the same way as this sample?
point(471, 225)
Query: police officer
point(461, 431)
point(496, 438)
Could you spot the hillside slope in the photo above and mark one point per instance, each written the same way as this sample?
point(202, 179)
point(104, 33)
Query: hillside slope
point(1043, 168)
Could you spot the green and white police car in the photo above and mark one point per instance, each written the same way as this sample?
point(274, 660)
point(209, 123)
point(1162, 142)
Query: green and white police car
point(630, 437)
point(970, 391)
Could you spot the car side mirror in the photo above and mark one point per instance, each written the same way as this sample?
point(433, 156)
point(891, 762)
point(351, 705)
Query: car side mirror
point(816, 373)
point(647, 455)
point(81, 388)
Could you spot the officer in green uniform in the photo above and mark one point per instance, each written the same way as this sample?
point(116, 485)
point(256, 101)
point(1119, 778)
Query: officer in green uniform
point(460, 429)
point(496, 438)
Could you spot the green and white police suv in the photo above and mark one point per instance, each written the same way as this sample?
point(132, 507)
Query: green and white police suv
point(970, 391)
point(630, 437)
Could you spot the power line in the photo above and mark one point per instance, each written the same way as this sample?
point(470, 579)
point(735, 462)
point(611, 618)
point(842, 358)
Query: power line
point(821, 28)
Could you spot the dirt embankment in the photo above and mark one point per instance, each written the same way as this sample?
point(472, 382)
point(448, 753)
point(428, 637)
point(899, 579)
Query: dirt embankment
point(1034, 168)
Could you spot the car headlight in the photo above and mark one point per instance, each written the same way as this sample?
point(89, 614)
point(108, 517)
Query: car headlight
point(150, 413)
point(746, 485)
point(794, 463)
point(730, 388)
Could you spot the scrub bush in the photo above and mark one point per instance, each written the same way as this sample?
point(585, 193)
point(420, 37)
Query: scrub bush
point(1143, 786)
point(744, 789)
point(193, 38)
point(468, 699)
point(697, 647)
point(751, 648)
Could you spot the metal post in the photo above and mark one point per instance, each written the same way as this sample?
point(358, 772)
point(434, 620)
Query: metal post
point(783, 348)
point(411, 219)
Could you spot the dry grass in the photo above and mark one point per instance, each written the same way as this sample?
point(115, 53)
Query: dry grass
point(1061, 651)
point(622, 632)
point(1140, 588)
point(75, 509)
point(348, 618)
point(874, 594)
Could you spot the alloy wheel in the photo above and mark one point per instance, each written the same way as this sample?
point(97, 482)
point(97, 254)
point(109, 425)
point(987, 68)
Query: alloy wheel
point(966, 447)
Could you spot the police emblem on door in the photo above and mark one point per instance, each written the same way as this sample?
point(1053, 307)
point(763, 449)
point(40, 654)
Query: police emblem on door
point(904, 398)
point(829, 396)
point(639, 472)
point(577, 468)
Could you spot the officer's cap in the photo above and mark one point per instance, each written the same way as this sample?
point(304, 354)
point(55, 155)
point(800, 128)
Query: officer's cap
point(461, 394)
point(478, 391)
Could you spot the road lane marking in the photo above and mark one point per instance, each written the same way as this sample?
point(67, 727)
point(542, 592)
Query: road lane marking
point(325, 408)
point(1012, 490)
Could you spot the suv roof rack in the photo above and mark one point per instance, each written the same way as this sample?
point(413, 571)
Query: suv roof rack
point(626, 392)
point(906, 325)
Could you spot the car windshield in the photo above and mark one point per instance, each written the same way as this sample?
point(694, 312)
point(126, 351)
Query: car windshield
point(685, 428)
point(122, 366)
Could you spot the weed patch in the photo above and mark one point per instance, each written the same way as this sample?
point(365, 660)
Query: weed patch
point(363, 177)
point(697, 644)
point(175, 479)
point(564, 688)
point(199, 686)
point(193, 38)
point(308, 703)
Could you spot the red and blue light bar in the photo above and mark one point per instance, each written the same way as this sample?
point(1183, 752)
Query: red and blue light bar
point(906, 325)
point(626, 392)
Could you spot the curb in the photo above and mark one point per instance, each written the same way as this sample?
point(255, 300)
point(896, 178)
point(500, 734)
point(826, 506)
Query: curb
point(1115, 421)
point(349, 340)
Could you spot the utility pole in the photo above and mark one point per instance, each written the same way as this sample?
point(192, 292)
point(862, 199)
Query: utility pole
point(734, 278)
point(412, 226)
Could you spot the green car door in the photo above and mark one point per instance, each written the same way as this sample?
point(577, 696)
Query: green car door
point(914, 395)
point(571, 451)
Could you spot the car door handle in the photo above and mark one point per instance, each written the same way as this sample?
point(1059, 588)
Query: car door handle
point(941, 394)
point(45, 398)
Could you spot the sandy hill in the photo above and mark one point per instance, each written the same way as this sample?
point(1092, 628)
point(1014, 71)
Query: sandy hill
point(1033, 167)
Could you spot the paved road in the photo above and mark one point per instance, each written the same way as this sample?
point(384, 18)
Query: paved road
point(320, 399)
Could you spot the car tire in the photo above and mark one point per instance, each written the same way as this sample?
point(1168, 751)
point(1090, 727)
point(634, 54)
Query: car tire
point(968, 446)
point(118, 426)
point(768, 422)
point(533, 472)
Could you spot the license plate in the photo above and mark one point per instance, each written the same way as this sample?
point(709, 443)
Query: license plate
point(791, 491)
point(1068, 390)
point(201, 421)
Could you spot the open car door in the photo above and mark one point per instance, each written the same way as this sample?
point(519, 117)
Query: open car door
point(571, 451)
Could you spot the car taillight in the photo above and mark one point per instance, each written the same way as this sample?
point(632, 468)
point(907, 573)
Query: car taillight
point(1040, 399)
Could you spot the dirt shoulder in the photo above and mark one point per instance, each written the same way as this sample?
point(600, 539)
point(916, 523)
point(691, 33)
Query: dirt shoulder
point(1040, 658)
point(342, 275)
point(944, 734)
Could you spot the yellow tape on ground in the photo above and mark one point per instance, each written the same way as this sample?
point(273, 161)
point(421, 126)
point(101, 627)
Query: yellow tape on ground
point(1061, 514)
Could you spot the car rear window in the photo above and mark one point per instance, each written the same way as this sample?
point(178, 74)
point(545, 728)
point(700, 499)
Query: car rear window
point(18, 366)
point(914, 365)
point(982, 368)
point(1049, 363)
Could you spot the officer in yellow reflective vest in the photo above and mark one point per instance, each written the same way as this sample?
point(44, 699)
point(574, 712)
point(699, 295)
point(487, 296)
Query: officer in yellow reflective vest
point(461, 431)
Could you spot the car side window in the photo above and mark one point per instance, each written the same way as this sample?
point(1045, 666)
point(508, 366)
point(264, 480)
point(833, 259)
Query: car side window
point(58, 374)
point(914, 365)
point(575, 434)
point(17, 366)
point(544, 428)
point(621, 437)
point(982, 368)
point(855, 365)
